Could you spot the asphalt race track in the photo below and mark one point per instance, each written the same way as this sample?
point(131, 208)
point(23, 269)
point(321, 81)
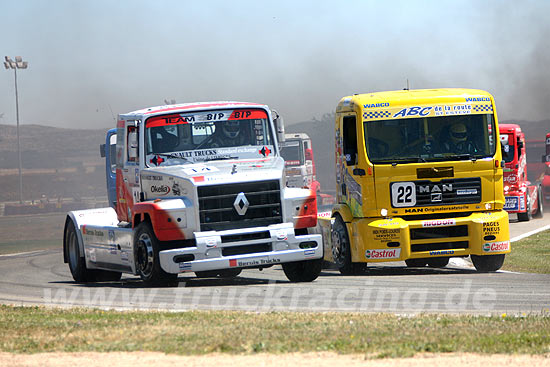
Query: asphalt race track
point(42, 278)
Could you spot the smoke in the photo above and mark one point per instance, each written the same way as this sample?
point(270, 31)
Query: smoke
point(86, 58)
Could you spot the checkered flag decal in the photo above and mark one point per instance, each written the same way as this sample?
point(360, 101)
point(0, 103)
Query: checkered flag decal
point(376, 114)
point(483, 108)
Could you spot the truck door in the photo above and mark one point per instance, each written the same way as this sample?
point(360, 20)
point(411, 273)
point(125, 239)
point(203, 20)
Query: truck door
point(128, 176)
point(349, 189)
point(108, 150)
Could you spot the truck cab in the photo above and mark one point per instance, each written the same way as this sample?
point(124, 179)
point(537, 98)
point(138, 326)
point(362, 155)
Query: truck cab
point(297, 152)
point(522, 197)
point(418, 179)
point(198, 188)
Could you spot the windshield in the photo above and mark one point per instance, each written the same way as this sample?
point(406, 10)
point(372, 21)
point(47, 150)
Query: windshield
point(207, 135)
point(291, 150)
point(507, 148)
point(430, 138)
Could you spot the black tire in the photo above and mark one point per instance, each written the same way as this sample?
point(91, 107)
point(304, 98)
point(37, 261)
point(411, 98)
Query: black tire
point(540, 201)
point(77, 263)
point(487, 263)
point(303, 271)
point(341, 251)
point(438, 262)
point(146, 254)
point(527, 216)
point(416, 263)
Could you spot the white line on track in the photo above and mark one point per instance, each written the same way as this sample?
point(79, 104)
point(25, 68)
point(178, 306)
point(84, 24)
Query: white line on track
point(530, 233)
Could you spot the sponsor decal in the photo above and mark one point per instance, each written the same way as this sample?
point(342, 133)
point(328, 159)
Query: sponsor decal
point(157, 160)
point(511, 203)
point(201, 169)
point(160, 189)
point(512, 179)
point(124, 255)
point(264, 151)
point(466, 191)
point(478, 99)
point(324, 214)
point(176, 190)
point(185, 266)
point(281, 236)
point(438, 223)
point(442, 252)
point(198, 178)
point(232, 263)
point(496, 246)
point(309, 253)
point(111, 235)
point(386, 235)
point(112, 249)
point(383, 254)
point(210, 242)
point(414, 111)
point(376, 105)
point(151, 178)
point(491, 228)
point(258, 261)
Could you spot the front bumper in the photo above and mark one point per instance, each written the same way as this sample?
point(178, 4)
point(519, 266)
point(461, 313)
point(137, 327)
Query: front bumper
point(396, 239)
point(242, 248)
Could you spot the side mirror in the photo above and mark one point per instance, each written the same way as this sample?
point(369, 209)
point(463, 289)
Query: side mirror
point(132, 145)
point(102, 150)
point(279, 127)
point(545, 158)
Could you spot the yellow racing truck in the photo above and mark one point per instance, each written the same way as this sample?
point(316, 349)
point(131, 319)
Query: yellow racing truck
point(419, 178)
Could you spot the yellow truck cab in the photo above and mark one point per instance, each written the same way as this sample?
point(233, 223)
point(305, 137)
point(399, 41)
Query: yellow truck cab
point(418, 178)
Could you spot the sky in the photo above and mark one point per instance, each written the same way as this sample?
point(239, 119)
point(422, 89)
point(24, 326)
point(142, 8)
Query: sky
point(91, 60)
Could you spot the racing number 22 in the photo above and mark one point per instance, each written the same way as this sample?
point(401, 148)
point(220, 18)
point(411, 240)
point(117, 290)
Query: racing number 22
point(403, 194)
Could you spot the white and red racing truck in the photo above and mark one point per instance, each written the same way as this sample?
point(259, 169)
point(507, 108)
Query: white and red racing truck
point(198, 188)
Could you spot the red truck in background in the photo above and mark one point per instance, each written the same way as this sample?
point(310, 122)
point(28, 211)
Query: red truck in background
point(522, 197)
point(299, 164)
point(546, 178)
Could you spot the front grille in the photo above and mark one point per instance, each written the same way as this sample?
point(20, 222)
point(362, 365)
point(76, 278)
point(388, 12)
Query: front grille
point(420, 247)
point(246, 237)
point(246, 249)
point(455, 191)
point(438, 232)
point(435, 216)
point(217, 211)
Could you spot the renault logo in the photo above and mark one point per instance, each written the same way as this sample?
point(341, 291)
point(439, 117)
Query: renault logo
point(240, 204)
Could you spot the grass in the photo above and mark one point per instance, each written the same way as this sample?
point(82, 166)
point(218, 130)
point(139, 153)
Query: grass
point(530, 255)
point(37, 329)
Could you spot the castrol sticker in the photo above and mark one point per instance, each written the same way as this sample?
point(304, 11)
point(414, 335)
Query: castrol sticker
point(438, 223)
point(496, 246)
point(383, 254)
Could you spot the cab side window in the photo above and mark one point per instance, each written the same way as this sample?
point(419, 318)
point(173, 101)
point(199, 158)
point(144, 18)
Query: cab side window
point(349, 130)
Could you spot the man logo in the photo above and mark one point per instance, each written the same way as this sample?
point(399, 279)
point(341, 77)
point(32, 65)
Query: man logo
point(241, 204)
point(437, 197)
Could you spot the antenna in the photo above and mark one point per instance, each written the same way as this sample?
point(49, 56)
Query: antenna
point(112, 114)
point(407, 87)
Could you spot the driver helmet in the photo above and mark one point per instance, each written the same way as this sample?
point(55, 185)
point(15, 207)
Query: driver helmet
point(458, 133)
point(231, 128)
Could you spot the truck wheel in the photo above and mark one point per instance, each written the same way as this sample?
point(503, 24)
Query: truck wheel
point(341, 251)
point(487, 263)
point(416, 263)
point(540, 209)
point(303, 271)
point(146, 254)
point(527, 216)
point(438, 262)
point(77, 263)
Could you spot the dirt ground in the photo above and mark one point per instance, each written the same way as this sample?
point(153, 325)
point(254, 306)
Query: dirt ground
point(280, 360)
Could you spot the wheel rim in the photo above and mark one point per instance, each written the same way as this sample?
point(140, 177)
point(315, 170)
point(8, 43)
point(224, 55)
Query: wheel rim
point(144, 260)
point(338, 251)
point(73, 251)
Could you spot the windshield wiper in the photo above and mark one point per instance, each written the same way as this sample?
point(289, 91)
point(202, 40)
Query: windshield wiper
point(219, 159)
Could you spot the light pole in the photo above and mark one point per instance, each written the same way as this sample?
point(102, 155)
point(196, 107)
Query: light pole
point(17, 64)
